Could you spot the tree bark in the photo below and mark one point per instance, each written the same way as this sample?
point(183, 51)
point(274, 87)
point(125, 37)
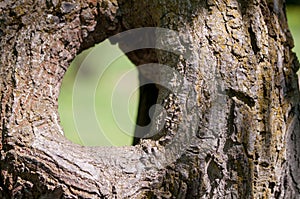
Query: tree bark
point(232, 114)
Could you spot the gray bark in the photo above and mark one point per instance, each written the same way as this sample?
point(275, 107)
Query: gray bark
point(232, 122)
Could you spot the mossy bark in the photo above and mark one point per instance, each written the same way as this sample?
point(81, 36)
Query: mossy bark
point(234, 114)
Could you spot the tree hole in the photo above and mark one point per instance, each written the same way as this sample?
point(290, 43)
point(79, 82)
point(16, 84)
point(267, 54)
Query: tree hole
point(99, 97)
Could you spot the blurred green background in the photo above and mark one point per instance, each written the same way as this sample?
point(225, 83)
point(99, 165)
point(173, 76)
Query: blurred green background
point(293, 15)
point(109, 89)
point(111, 134)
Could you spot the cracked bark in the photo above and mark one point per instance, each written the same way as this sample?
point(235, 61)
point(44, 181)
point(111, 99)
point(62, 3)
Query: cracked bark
point(238, 124)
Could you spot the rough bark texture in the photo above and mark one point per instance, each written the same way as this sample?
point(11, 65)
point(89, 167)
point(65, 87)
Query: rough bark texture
point(234, 116)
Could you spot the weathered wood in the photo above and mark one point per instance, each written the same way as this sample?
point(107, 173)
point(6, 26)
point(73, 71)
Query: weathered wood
point(232, 106)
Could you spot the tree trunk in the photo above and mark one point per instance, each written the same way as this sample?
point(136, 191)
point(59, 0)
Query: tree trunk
point(228, 88)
